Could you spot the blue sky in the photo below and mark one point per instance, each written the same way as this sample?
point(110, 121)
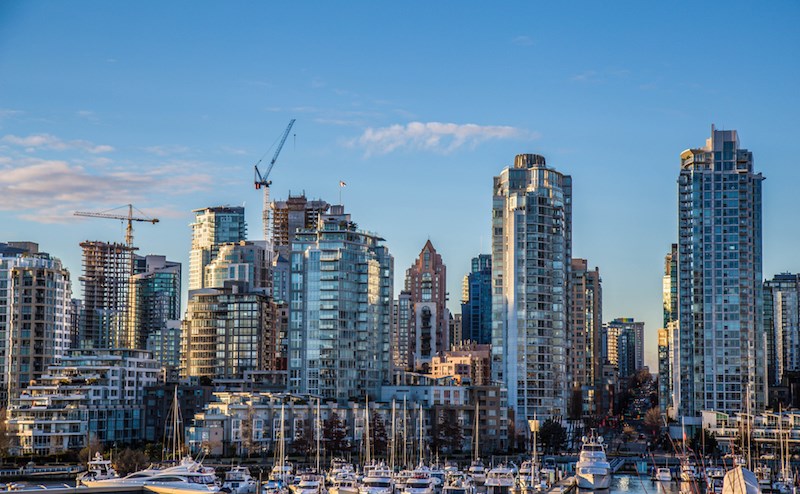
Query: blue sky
point(416, 105)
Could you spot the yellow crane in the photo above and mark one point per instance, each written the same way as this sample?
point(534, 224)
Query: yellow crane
point(130, 218)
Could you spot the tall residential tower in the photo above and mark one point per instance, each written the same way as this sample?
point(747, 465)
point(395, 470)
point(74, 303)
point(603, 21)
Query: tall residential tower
point(721, 351)
point(531, 252)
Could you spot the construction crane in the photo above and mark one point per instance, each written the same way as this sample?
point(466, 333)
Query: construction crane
point(263, 181)
point(130, 218)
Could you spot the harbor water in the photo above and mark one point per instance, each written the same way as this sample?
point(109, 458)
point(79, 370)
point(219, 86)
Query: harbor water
point(636, 484)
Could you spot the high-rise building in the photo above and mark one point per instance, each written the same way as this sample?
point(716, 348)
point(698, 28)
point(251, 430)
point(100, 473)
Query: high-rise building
point(721, 348)
point(341, 310)
point(402, 332)
point(476, 302)
point(667, 335)
point(625, 343)
point(227, 332)
point(35, 315)
point(107, 270)
point(584, 358)
point(212, 227)
point(289, 216)
point(782, 326)
point(426, 281)
point(531, 252)
point(155, 309)
point(241, 261)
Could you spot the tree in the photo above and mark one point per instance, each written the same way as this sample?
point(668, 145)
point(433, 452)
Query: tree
point(87, 452)
point(334, 433)
point(378, 435)
point(303, 443)
point(246, 431)
point(552, 435)
point(129, 461)
point(704, 442)
point(5, 437)
point(576, 404)
point(652, 421)
point(449, 437)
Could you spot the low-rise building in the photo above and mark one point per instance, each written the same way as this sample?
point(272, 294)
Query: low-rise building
point(92, 394)
point(467, 363)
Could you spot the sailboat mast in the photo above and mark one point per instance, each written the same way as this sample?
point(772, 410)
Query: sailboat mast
point(394, 439)
point(421, 449)
point(366, 432)
point(405, 433)
point(477, 408)
point(317, 431)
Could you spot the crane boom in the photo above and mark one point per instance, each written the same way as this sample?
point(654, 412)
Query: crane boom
point(262, 180)
point(130, 218)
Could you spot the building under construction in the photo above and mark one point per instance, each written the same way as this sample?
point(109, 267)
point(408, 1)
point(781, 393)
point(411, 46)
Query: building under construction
point(107, 269)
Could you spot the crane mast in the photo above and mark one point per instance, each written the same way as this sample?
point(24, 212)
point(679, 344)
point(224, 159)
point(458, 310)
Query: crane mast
point(262, 181)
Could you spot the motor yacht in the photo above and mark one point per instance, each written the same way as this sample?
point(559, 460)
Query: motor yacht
point(343, 483)
point(99, 469)
point(663, 474)
point(377, 480)
point(310, 483)
point(499, 480)
point(477, 473)
point(420, 482)
point(593, 470)
point(239, 481)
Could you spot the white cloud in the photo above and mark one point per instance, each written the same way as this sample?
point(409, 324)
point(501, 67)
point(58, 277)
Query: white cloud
point(433, 136)
point(166, 150)
point(48, 191)
point(523, 41)
point(48, 141)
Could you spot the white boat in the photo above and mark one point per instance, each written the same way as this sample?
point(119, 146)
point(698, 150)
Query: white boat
point(99, 469)
point(377, 480)
point(457, 483)
point(663, 474)
point(343, 483)
point(420, 482)
point(593, 470)
point(477, 473)
point(187, 476)
point(740, 480)
point(177, 482)
point(310, 483)
point(499, 480)
point(239, 481)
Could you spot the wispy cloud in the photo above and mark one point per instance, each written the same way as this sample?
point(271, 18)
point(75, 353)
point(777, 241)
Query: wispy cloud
point(47, 141)
point(42, 190)
point(166, 150)
point(433, 136)
point(88, 115)
point(522, 41)
point(597, 76)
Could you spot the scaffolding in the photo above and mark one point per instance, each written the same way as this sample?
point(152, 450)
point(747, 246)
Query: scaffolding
point(107, 269)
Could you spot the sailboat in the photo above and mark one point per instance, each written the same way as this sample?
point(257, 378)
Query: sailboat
point(476, 470)
point(281, 474)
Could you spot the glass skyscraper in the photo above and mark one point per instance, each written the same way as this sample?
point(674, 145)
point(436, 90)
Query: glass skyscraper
point(476, 306)
point(720, 354)
point(340, 315)
point(212, 227)
point(531, 252)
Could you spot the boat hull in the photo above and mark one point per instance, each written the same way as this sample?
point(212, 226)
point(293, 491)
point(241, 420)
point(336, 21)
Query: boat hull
point(593, 481)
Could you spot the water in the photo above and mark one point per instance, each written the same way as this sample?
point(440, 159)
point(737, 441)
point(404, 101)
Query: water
point(637, 484)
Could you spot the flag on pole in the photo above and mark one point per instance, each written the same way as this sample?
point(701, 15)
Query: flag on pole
point(342, 184)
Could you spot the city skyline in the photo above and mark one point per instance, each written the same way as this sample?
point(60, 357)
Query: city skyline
point(415, 113)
